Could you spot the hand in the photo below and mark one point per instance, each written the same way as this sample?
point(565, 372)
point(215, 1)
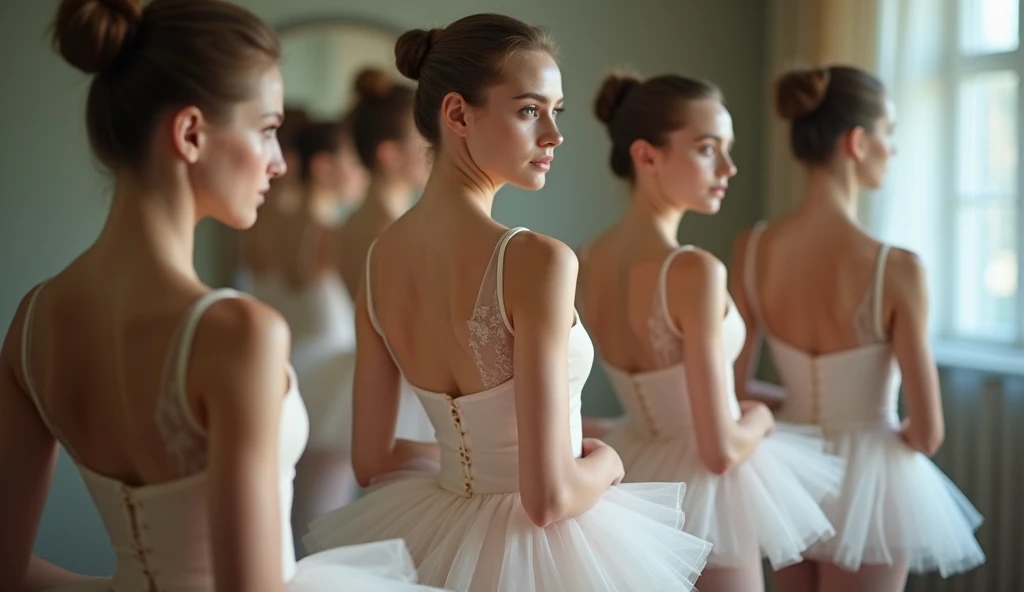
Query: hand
point(592, 445)
point(760, 411)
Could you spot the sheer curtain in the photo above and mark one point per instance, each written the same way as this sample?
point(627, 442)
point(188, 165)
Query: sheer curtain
point(809, 33)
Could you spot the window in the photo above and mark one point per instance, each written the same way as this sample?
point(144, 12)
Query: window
point(983, 207)
point(955, 192)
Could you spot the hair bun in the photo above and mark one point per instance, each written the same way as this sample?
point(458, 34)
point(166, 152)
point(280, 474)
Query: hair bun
point(411, 51)
point(372, 83)
point(801, 92)
point(89, 34)
point(612, 94)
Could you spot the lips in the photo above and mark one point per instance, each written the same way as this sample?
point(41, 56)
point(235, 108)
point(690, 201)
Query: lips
point(719, 191)
point(543, 163)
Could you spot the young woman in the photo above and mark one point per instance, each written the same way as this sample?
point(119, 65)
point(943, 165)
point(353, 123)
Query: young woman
point(395, 155)
point(479, 317)
point(176, 402)
point(668, 334)
point(845, 316)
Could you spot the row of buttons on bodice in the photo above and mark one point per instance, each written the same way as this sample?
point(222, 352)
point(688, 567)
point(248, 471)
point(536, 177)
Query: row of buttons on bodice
point(465, 462)
point(141, 551)
point(645, 407)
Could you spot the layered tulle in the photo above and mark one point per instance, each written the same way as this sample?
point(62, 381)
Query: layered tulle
point(631, 540)
point(383, 566)
point(897, 506)
point(769, 504)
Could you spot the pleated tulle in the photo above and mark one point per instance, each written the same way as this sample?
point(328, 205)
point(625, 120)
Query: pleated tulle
point(631, 540)
point(768, 505)
point(896, 505)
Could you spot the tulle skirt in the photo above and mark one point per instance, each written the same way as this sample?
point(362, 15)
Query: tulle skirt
point(768, 505)
point(897, 506)
point(383, 566)
point(631, 540)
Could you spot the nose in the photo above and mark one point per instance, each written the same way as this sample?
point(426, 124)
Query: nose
point(277, 166)
point(726, 167)
point(551, 137)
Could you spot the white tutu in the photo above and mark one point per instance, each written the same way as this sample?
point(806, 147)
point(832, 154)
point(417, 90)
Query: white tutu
point(384, 566)
point(896, 505)
point(631, 540)
point(770, 500)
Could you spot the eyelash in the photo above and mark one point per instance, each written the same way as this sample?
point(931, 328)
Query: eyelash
point(534, 109)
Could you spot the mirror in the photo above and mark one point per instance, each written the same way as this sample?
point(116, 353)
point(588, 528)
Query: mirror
point(320, 61)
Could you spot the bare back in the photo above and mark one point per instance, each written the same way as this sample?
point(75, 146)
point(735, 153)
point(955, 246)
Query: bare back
point(619, 287)
point(819, 288)
point(425, 288)
point(108, 364)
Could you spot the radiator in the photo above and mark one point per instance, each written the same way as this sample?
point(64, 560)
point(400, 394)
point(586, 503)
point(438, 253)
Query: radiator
point(984, 455)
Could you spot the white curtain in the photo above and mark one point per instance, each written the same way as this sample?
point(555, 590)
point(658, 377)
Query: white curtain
point(900, 41)
point(810, 33)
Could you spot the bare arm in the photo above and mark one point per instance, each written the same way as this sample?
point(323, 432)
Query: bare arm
point(28, 453)
point(748, 387)
point(239, 370)
point(698, 301)
point(554, 485)
point(376, 396)
point(907, 290)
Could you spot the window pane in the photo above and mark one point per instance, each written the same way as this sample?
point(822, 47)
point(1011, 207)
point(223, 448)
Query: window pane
point(987, 148)
point(986, 272)
point(989, 26)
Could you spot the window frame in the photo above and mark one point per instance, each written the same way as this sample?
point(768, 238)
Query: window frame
point(951, 349)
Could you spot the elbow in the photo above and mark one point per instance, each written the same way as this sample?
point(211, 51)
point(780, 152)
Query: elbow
point(926, 441)
point(365, 470)
point(545, 508)
point(931, 442)
point(719, 461)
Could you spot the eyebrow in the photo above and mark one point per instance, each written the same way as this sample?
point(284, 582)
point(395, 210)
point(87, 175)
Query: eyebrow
point(709, 137)
point(276, 114)
point(536, 97)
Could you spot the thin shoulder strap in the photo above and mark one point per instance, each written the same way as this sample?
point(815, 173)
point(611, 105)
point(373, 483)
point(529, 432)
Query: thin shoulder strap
point(879, 290)
point(368, 287)
point(26, 367)
point(663, 289)
point(502, 245)
point(370, 309)
point(183, 352)
point(750, 273)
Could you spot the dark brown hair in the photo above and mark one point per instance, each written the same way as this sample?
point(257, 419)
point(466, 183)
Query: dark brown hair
point(382, 113)
point(316, 138)
point(172, 54)
point(825, 103)
point(645, 110)
point(295, 121)
point(466, 57)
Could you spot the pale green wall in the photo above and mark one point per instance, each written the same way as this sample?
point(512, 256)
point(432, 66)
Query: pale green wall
point(54, 200)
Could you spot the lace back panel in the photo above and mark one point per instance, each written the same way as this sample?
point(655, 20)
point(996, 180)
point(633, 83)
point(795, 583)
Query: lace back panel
point(183, 437)
point(666, 339)
point(490, 334)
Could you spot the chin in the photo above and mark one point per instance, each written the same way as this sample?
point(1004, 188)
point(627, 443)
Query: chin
point(710, 206)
